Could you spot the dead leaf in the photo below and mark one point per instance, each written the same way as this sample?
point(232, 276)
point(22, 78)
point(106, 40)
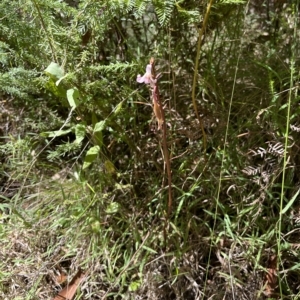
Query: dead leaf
point(271, 276)
point(61, 278)
point(69, 291)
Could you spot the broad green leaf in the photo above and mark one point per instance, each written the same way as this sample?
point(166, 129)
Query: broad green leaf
point(99, 126)
point(73, 95)
point(290, 202)
point(55, 133)
point(91, 155)
point(98, 138)
point(80, 133)
point(55, 70)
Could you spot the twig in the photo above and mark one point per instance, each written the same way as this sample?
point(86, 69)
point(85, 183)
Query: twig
point(180, 155)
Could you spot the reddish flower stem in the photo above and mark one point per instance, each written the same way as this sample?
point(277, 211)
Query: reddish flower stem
point(156, 98)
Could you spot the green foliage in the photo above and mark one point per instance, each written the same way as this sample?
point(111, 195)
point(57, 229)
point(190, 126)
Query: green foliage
point(82, 178)
point(18, 82)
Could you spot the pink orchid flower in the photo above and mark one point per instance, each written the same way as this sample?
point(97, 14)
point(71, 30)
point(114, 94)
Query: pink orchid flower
point(146, 78)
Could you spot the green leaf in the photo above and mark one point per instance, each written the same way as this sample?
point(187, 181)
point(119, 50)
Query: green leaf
point(290, 202)
point(118, 108)
point(228, 225)
point(94, 118)
point(99, 126)
point(55, 70)
point(80, 133)
point(109, 167)
point(134, 286)
point(98, 138)
point(73, 95)
point(4, 206)
point(55, 133)
point(91, 155)
point(113, 208)
point(58, 91)
point(149, 249)
point(295, 267)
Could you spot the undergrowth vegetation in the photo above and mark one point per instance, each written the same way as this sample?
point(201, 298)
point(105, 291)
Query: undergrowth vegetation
point(83, 174)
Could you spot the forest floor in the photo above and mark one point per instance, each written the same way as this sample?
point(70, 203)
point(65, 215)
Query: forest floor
point(50, 246)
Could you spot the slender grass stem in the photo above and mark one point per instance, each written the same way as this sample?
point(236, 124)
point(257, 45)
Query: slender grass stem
point(200, 35)
point(286, 146)
point(222, 165)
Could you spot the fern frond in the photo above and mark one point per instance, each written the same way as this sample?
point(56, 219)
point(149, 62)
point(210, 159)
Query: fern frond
point(275, 149)
point(295, 128)
point(259, 152)
point(18, 82)
point(140, 7)
point(4, 53)
point(130, 4)
point(114, 67)
point(251, 171)
point(164, 11)
point(191, 15)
